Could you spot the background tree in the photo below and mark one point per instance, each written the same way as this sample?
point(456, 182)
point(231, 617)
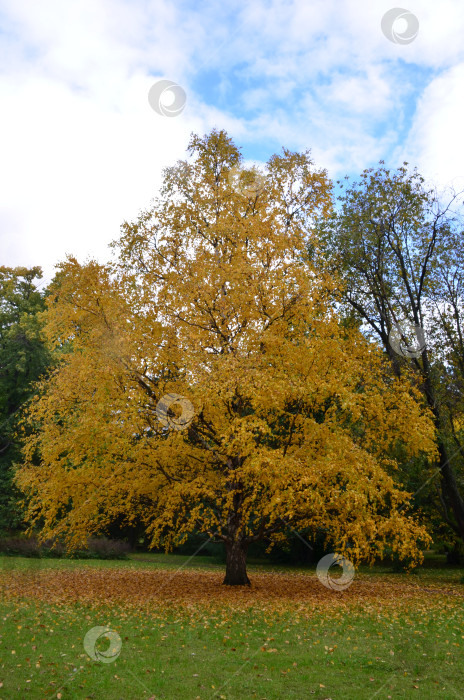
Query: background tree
point(294, 415)
point(398, 252)
point(23, 358)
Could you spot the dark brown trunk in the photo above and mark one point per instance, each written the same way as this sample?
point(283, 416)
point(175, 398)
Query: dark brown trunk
point(236, 574)
point(452, 497)
point(449, 482)
point(451, 491)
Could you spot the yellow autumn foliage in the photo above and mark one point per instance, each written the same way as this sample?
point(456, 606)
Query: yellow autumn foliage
point(212, 296)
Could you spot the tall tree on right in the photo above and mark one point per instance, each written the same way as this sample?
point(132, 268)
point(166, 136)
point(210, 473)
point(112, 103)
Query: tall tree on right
point(398, 249)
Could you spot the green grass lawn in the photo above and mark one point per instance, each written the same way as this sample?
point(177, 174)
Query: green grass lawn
point(193, 651)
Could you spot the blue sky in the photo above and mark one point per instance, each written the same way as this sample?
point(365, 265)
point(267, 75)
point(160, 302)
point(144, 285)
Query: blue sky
point(82, 149)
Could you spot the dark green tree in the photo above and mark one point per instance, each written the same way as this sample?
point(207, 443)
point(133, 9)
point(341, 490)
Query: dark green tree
point(23, 358)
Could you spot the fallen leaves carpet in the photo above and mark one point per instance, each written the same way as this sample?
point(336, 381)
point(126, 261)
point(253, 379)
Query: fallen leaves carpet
point(138, 588)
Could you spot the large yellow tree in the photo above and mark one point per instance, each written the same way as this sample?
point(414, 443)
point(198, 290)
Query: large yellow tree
point(206, 384)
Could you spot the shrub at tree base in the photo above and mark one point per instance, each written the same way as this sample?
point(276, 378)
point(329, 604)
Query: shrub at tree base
point(97, 548)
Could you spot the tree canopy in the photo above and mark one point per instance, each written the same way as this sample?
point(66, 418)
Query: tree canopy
point(207, 384)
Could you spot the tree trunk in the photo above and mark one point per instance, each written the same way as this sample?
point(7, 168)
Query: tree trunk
point(449, 482)
point(236, 574)
point(455, 555)
point(451, 490)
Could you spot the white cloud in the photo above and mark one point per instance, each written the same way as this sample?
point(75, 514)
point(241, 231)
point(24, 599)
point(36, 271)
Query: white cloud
point(76, 170)
point(435, 142)
point(82, 150)
point(369, 93)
